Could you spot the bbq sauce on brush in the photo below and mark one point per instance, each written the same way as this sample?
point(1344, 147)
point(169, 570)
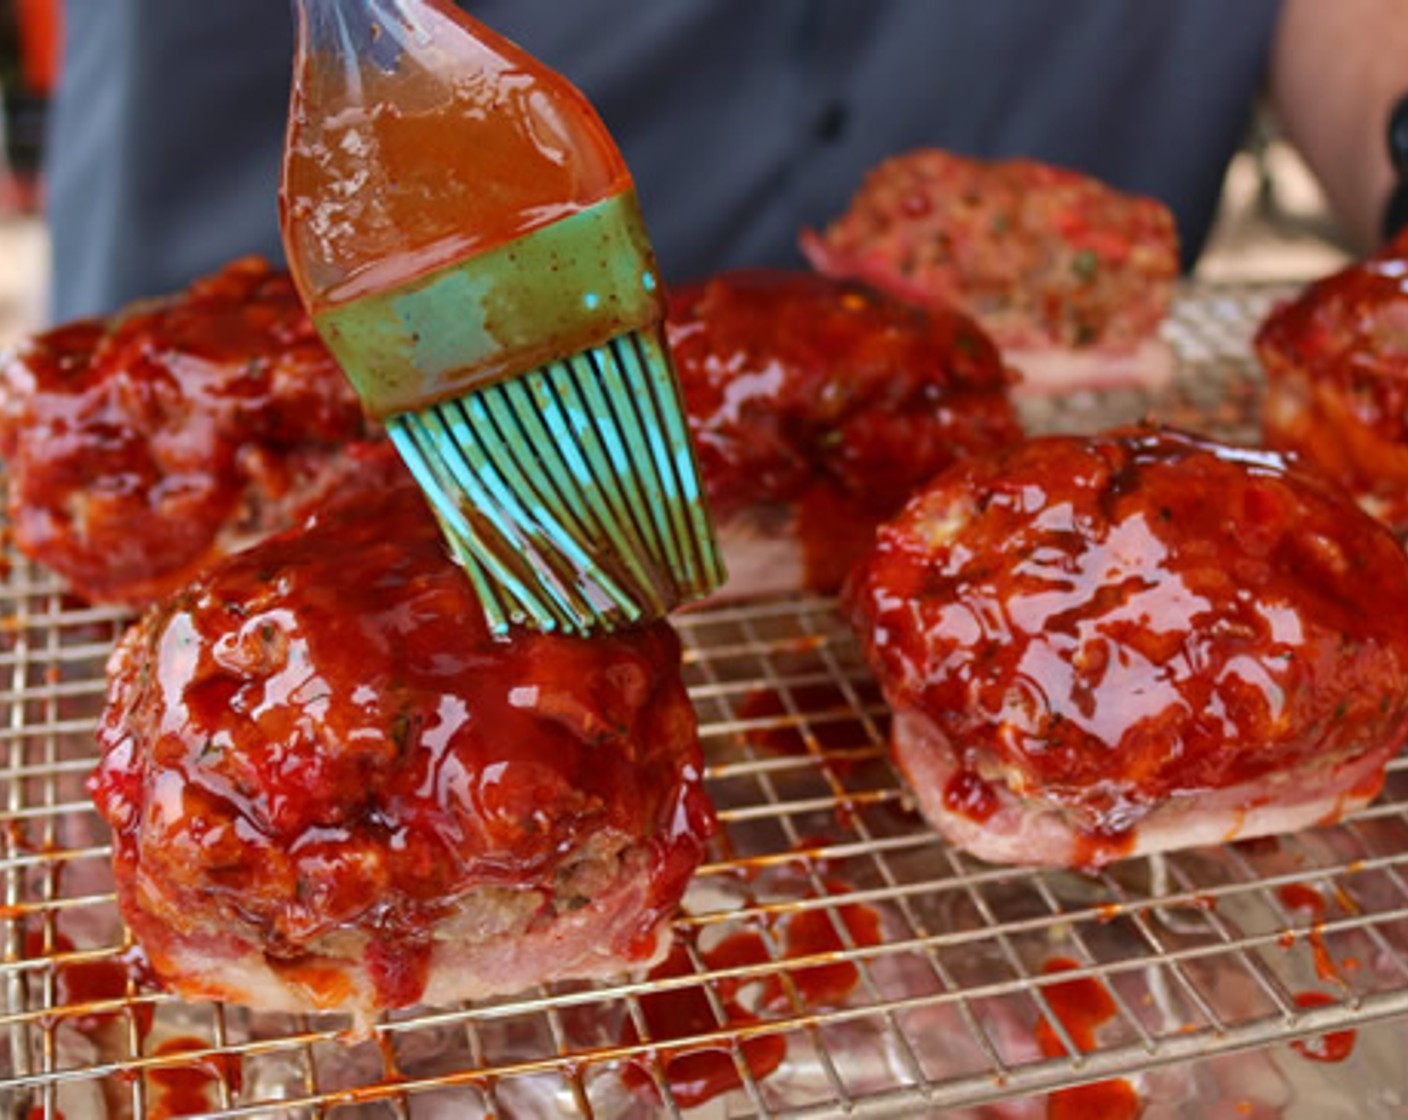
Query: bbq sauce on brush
point(454, 213)
point(441, 143)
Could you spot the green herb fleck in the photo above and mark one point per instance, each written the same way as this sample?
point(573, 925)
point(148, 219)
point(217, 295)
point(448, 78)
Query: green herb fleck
point(400, 730)
point(1085, 265)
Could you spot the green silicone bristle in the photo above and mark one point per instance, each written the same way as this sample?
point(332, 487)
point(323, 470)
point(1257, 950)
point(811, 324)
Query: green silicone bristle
point(570, 494)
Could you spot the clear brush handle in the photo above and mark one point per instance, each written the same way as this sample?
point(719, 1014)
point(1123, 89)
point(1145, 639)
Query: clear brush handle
point(418, 137)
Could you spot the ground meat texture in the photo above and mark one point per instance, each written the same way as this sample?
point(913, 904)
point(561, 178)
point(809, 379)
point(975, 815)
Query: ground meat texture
point(140, 447)
point(1102, 646)
point(818, 405)
point(331, 788)
point(1336, 361)
point(1041, 256)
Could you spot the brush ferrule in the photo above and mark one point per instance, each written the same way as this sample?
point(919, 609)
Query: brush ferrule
point(561, 289)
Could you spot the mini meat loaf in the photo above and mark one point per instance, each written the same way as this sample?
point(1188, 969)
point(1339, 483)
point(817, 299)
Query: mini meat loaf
point(1139, 641)
point(141, 447)
point(331, 789)
point(1336, 361)
point(1071, 277)
point(817, 406)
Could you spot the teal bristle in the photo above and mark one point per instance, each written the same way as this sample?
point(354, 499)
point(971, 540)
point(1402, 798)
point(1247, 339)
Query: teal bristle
point(569, 493)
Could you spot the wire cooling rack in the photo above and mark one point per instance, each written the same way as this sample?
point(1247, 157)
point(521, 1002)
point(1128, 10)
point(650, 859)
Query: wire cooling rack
point(834, 956)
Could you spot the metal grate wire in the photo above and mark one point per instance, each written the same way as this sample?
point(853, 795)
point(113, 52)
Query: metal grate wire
point(1204, 955)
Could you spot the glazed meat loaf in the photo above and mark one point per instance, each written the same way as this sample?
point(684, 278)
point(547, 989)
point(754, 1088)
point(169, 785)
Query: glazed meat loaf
point(141, 447)
point(1336, 362)
point(1097, 647)
point(816, 407)
point(331, 789)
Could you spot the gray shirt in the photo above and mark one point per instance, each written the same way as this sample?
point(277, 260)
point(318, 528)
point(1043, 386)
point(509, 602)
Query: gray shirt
point(741, 120)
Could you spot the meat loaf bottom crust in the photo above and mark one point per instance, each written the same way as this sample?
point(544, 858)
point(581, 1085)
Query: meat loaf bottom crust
point(141, 447)
point(1120, 644)
point(331, 788)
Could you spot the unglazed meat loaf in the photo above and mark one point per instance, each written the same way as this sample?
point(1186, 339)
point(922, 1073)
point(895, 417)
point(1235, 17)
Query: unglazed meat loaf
point(1139, 641)
point(141, 447)
point(1070, 276)
point(331, 789)
point(816, 407)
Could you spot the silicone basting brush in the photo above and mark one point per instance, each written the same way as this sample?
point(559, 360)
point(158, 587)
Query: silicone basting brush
point(466, 237)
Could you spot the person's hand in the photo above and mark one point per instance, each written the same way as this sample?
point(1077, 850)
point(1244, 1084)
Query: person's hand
point(1337, 69)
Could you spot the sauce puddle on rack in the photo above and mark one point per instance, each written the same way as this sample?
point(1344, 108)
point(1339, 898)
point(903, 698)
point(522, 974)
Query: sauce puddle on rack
point(1332, 1046)
point(189, 1088)
point(699, 1071)
point(1082, 1006)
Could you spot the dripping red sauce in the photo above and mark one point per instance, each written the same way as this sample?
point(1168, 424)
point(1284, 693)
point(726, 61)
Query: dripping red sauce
point(970, 796)
point(1095, 849)
point(1082, 1006)
point(833, 531)
point(1333, 1046)
point(104, 979)
point(1324, 963)
point(190, 1087)
point(697, 1072)
point(1297, 896)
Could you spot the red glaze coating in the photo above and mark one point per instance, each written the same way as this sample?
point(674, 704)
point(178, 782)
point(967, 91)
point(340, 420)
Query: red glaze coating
point(134, 444)
point(1040, 255)
point(320, 736)
point(831, 395)
point(1104, 624)
point(1336, 360)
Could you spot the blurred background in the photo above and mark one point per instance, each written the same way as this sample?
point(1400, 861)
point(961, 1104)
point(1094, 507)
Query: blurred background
point(1273, 224)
